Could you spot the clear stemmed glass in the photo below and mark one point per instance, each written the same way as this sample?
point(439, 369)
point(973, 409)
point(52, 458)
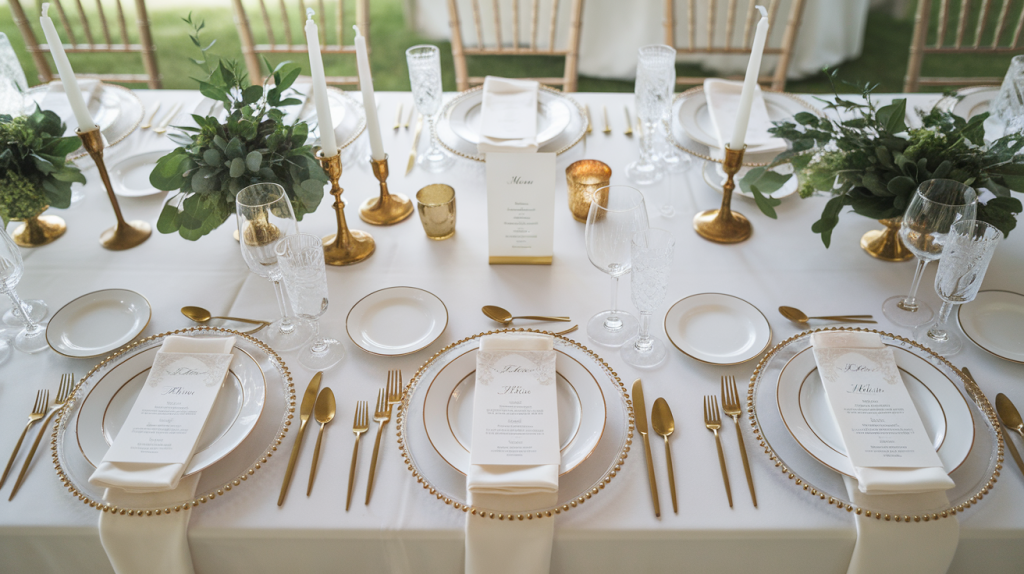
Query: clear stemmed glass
point(616, 213)
point(32, 338)
point(651, 256)
point(425, 76)
point(37, 311)
point(655, 80)
point(265, 217)
point(301, 257)
point(937, 204)
point(12, 80)
point(969, 249)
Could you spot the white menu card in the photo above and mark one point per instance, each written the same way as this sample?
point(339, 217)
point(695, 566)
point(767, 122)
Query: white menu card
point(521, 208)
point(515, 409)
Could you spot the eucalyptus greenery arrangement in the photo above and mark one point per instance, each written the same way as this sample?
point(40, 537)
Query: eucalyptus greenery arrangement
point(34, 172)
point(871, 161)
point(219, 157)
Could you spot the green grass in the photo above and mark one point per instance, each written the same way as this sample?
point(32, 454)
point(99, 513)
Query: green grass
point(883, 61)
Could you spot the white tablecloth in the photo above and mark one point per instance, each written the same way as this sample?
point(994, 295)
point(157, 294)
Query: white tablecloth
point(831, 32)
point(404, 529)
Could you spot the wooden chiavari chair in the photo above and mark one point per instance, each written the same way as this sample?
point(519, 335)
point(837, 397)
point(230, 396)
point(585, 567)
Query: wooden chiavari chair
point(716, 43)
point(296, 44)
point(516, 46)
point(104, 42)
point(1004, 20)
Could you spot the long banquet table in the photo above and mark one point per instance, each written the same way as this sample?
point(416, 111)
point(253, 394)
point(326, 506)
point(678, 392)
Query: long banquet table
point(44, 529)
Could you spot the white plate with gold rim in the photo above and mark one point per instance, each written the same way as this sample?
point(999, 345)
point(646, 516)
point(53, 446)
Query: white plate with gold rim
point(130, 176)
point(98, 322)
point(718, 329)
point(234, 414)
point(396, 321)
point(994, 321)
point(448, 411)
point(553, 116)
point(694, 117)
point(806, 412)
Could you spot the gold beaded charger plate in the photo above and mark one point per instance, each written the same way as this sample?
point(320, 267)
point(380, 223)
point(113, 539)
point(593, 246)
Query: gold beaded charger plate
point(592, 469)
point(238, 464)
point(561, 123)
point(974, 477)
point(115, 109)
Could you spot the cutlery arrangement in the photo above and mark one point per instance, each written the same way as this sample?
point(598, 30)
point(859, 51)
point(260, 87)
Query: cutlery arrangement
point(305, 410)
point(398, 117)
point(713, 422)
point(590, 122)
point(640, 416)
point(607, 125)
point(500, 315)
point(798, 316)
point(163, 124)
point(415, 143)
point(731, 407)
point(665, 425)
point(41, 411)
point(629, 122)
point(201, 315)
point(152, 115)
point(387, 397)
point(360, 425)
point(323, 412)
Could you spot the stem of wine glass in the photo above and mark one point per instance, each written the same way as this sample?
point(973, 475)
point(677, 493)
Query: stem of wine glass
point(647, 143)
point(319, 345)
point(31, 327)
point(938, 330)
point(286, 325)
point(909, 303)
point(613, 322)
point(644, 341)
point(432, 149)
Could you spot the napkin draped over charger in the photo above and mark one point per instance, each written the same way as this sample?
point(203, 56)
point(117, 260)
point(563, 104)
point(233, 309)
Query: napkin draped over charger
point(723, 97)
point(505, 547)
point(56, 99)
point(923, 548)
point(508, 118)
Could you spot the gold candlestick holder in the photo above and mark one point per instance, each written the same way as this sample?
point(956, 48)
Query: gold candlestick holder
point(126, 234)
point(346, 246)
point(723, 225)
point(389, 208)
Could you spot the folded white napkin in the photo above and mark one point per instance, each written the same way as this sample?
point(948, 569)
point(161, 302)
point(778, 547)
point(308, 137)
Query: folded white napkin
point(884, 480)
point(504, 547)
point(56, 100)
point(723, 97)
point(151, 544)
point(149, 477)
point(508, 121)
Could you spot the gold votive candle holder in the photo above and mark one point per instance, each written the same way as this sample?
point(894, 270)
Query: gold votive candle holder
point(584, 178)
point(436, 206)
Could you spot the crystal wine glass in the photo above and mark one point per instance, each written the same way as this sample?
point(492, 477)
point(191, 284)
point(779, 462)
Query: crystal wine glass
point(425, 76)
point(937, 204)
point(655, 80)
point(32, 338)
point(969, 249)
point(301, 257)
point(616, 213)
point(651, 256)
point(265, 217)
point(37, 311)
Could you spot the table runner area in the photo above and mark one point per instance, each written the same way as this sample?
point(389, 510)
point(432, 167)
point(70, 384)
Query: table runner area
point(405, 529)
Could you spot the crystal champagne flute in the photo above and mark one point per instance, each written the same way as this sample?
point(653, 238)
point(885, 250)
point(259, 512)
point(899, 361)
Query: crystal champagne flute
point(651, 257)
point(301, 258)
point(655, 81)
point(264, 218)
point(937, 204)
point(425, 76)
point(32, 338)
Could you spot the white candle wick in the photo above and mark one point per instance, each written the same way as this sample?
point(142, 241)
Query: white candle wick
point(309, 13)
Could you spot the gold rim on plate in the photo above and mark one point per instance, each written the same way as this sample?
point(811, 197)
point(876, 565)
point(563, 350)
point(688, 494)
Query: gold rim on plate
point(149, 307)
point(752, 306)
point(427, 344)
point(960, 310)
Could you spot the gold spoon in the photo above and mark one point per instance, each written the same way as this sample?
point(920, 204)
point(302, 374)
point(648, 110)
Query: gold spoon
point(323, 411)
point(794, 314)
point(504, 317)
point(664, 424)
point(200, 315)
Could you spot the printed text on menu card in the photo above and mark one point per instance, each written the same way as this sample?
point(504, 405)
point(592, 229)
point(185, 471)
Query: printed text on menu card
point(515, 409)
point(169, 415)
point(876, 416)
point(521, 207)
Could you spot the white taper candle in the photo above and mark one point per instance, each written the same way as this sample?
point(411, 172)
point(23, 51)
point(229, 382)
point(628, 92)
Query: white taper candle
point(369, 102)
point(328, 142)
point(67, 75)
point(739, 131)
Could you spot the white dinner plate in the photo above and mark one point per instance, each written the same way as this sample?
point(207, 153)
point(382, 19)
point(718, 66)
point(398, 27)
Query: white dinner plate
point(448, 411)
point(695, 118)
point(995, 322)
point(715, 177)
point(98, 322)
point(806, 412)
point(553, 116)
point(234, 414)
point(130, 176)
point(396, 321)
point(969, 102)
point(718, 329)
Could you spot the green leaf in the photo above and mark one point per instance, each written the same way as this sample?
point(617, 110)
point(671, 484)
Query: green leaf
point(168, 220)
point(764, 203)
point(829, 219)
point(237, 167)
point(212, 157)
point(252, 94)
point(169, 170)
point(893, 116)
point(253, 161)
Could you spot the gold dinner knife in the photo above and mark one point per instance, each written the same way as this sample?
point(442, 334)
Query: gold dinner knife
point(305, 409)
point(629, 123)
point(415, 144)
point(640, 415)
point(1011, 420)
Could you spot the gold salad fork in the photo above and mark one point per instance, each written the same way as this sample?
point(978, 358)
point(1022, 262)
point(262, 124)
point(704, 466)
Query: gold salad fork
point(67, 383)
point(360, 425)
point(38, 411)
point(731, 406)
point(382, 415)
point(713, 421)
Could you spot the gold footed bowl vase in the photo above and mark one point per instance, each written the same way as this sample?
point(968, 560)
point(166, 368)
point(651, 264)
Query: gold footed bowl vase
point(885, 244)
point(39, 230)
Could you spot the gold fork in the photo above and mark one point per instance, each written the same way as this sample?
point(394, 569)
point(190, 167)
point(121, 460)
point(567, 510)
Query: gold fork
point(67, 382)
point(394, 389)
point(713, 421)
point(360, 425)
point(38, 411)
point(382, 415)
point(149, 122)
point(731, 407)
point(161, 127)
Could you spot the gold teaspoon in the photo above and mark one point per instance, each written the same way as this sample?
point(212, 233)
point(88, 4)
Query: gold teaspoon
point(794, 314)
point(504, 317)
point(323, 411)
point(664, 424)
point(200, 315)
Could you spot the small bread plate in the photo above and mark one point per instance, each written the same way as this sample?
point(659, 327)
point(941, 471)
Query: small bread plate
point(994, 321)
point(396, 321)
point(130, 176)
point(97, 323)
point(717, 329)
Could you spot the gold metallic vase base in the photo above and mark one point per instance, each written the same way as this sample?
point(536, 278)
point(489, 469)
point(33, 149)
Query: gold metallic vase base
point(346, 246)
point(885, 244)
point(388, 208)
point(126, 236)
point(723, 225)
point(39, 230)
